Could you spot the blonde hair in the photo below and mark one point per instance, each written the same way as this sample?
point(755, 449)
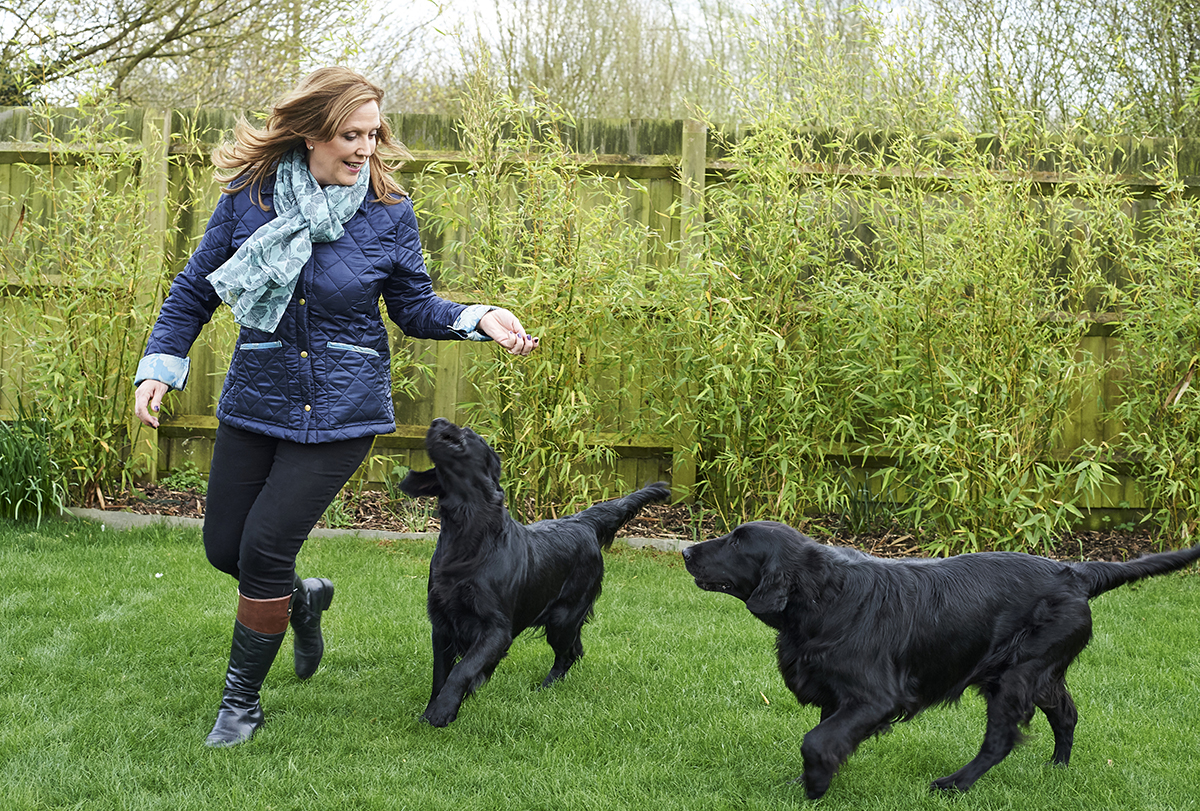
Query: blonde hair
point(314, 111)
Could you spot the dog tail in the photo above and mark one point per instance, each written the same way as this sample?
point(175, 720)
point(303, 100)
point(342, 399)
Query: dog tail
point(1102, 576)
point(609, 516)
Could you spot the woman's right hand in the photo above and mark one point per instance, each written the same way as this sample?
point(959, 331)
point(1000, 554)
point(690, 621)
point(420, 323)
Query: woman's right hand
point(147, 398)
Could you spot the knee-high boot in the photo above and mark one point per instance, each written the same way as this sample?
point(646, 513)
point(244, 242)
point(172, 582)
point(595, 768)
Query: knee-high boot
point(311, 597)
point(257, 635)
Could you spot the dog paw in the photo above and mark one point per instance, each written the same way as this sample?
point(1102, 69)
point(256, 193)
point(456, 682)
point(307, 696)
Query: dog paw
point(437, 717)
point(436, 720)
point(550, 679)
point(945, 784)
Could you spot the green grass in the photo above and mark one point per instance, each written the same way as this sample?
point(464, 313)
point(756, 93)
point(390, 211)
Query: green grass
point(113, 648)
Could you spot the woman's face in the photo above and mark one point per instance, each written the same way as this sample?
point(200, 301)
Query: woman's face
point(338, 162)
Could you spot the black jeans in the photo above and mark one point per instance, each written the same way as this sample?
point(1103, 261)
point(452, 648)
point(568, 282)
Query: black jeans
point(264, 497)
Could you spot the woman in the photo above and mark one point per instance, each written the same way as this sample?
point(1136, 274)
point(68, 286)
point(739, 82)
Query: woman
point(310, 232)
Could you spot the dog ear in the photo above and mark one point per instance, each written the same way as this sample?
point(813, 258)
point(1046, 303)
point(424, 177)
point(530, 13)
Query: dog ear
point(772, 593)
point(422, 483)
point(493, 466)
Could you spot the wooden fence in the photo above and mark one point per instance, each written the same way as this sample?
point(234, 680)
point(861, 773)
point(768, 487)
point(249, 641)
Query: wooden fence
point(669, 161)
point(175, 168)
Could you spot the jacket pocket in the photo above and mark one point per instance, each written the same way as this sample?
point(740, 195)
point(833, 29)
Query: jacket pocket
point(358, 385)
point(259, 383)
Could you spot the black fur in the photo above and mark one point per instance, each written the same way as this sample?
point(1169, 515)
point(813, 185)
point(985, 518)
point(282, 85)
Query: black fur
point(873, 641)
point(491, 578)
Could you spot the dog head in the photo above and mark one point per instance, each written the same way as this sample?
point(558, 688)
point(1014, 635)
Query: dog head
point(463, 464)
point(752, 563)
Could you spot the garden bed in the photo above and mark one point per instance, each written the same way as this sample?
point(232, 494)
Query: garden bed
point(372, 510)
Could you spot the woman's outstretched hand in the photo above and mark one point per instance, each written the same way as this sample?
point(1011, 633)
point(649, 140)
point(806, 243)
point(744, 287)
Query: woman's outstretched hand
point(147, 399)
point(503, 327)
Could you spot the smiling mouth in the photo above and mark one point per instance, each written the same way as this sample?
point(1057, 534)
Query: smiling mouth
point(713, 585)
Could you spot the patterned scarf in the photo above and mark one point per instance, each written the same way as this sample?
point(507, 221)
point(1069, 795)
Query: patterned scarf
point(258, 280)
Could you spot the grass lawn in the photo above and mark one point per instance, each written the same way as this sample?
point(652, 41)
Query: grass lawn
point(113, 648)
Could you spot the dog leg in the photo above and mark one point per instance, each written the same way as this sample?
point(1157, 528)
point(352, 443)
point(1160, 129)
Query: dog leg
point(443, 661)
point(475, 668)
point(1059, 707)
point(829, 743)
point(1007, 707)
point(568, 647)
point(564, 626)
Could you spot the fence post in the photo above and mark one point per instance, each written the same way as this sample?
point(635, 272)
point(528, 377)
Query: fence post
point(693, 166)
point(156, 178)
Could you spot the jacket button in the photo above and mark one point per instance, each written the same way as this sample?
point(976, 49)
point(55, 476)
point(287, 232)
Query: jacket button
point(301, 302)
point(308, 408)
point(304, 354)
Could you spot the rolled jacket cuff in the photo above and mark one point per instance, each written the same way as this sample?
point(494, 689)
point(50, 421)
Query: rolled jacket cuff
point(467, 323)
point(169, 369)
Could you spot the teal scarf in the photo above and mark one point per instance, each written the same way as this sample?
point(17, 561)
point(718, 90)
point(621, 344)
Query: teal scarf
point(258, 280)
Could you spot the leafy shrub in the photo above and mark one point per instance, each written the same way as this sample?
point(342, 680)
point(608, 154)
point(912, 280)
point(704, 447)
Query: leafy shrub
point(904, 303)
point(80, 262)
point(187, 477)
point(31, 483)
point(907, 311)
point(1158, 408)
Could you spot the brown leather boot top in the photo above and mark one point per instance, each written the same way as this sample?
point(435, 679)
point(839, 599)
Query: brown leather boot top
point(264, 616)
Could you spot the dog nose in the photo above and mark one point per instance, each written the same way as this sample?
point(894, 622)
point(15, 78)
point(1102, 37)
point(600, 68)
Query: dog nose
point(687, 553)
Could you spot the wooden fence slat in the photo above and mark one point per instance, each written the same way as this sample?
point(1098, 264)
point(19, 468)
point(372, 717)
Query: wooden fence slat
point(156, 177)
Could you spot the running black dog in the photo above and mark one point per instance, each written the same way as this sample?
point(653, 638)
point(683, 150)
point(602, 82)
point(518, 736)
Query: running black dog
point(873, 641)
point(491, 578)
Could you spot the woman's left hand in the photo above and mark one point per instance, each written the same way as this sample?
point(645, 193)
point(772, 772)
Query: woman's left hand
point(503, 327)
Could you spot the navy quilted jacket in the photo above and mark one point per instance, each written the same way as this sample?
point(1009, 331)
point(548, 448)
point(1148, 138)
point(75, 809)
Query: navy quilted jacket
point(324, 374)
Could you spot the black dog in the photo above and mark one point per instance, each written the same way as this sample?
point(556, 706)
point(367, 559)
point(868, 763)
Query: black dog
point(873, 641)
point(491, 578)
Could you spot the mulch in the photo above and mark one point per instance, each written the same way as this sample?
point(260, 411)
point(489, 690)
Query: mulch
point(372, 510)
